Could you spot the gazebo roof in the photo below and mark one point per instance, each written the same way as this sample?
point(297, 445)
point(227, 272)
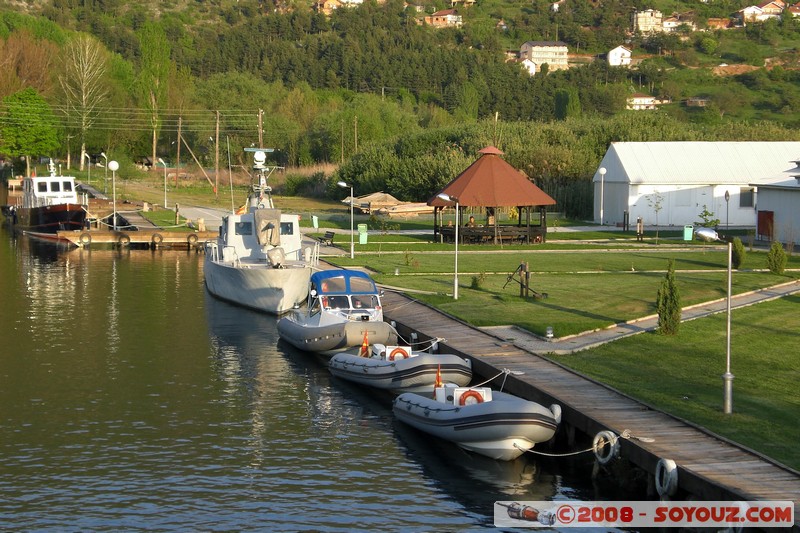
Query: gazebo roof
point(491, 182)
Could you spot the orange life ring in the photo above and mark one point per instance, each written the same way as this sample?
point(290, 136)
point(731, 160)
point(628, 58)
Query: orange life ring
point(470, 394)
point(396, 352)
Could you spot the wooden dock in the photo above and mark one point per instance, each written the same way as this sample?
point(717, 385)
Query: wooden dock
point(709, 467)
point(143, 238)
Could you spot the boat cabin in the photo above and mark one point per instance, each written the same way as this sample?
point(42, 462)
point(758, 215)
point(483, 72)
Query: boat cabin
point(48, 190)
point(348, 292)
point(255, 234)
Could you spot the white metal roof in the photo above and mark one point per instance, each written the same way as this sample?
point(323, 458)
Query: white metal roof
point(698, 163)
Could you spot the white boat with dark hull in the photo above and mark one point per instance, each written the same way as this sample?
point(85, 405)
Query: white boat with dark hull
point(49, 204)
point(492, 423)
point(343, 311)
point(258, 260)
point(399, 369)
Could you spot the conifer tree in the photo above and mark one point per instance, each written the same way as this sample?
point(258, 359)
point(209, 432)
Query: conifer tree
point(668, 303)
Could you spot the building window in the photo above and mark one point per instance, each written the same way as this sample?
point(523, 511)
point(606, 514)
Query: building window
point(746, 197)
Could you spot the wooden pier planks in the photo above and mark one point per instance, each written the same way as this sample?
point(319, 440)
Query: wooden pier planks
point(709, 467)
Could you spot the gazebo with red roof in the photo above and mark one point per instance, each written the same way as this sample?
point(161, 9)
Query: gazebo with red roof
point(492, 183)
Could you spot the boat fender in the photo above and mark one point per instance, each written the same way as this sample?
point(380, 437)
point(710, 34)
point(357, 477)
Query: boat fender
point(666, 477)
point(86, 238)
point(397, 351)
point(192, 238)
point(476, 395)
point(605, 439)
point(157, 238)
point(124, 240)
point(556, 410)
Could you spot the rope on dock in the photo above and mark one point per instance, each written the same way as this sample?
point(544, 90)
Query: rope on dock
point(567, 454)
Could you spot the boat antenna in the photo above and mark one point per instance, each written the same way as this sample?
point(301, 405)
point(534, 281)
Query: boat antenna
point(263, 171)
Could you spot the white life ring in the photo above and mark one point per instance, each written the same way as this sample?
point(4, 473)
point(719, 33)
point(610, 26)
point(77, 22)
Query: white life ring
point(666, 477)
point(86, 238)
point(601, 440)
point(556, 410)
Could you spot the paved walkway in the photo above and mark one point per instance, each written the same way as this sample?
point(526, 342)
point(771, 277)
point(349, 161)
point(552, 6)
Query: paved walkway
point(574, 343)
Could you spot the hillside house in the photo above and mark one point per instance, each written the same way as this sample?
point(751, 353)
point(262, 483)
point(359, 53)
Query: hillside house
point(446, 18)
point(689, 177)
point(675, 22)
point(553, 53)
point(641, 102)
point(619, 57)
point(761, 12)
point(648, 21)
point(697, 101)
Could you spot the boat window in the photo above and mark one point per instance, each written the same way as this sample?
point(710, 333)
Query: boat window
point(244, 228)
point(364, 301)
point(55, 186)
point(361, 285)
point(287, 228)
point(333, 285)
point(67, 186)
point(338, 302)
point(41, 186)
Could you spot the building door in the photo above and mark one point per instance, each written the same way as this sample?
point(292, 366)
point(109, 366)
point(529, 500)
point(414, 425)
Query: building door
point(765, 225)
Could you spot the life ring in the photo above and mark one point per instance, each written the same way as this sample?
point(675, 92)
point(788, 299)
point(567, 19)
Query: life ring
point(666, 477)
point(602, 440)
point(470, 394)
point(123, 240)
point(157, 238)
point(396, 352)
point(85, 238)
point(537, 239)
point(192, 238)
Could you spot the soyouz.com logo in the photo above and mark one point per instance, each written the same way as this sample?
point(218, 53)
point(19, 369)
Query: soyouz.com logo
point(762, 514)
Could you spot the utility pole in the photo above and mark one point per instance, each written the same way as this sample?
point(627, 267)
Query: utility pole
point(260, 128)
point(178, 156)
point(216, 159)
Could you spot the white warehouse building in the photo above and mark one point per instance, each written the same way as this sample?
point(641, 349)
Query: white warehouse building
point(779, 207)
point(672, 183)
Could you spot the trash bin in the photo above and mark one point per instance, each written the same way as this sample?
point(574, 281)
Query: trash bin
point(362, 234)
point(315, 221)
point(688, 232)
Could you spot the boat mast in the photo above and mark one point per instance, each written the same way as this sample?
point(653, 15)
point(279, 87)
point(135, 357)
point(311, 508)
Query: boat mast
point(261, 192)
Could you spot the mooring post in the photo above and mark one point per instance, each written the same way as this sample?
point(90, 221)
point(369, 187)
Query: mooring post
point(527, 280)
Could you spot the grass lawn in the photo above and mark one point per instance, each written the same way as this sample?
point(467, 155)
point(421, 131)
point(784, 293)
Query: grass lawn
point(682, 374)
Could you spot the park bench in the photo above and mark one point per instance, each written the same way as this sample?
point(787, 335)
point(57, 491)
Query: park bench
point(327, 239)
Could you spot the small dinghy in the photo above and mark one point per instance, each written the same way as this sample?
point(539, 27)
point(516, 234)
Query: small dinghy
point(400, 369)
point(492, 423)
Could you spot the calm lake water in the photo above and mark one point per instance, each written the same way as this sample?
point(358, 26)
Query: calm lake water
point(130, 399)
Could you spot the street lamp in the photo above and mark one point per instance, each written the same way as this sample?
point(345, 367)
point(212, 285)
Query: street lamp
point(114, 166)
point(448, 198)
point(727, 208)
point(89, 167)
point(727, 377)
point(105, 181)
point(165, 181)
point(602, 186)
point(352, 200)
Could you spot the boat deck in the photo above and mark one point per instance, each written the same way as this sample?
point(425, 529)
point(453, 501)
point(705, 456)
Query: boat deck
point(709, 467)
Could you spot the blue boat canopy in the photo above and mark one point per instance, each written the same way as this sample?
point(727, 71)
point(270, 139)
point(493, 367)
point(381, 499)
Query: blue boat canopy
point(342, 282)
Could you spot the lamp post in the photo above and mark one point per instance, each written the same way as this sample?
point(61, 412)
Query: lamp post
point(89, 167)
point(105, 180)
point(602, 172)
point(448, 198)
point(727, 377)
point(727, 208)
point(352, 200)
point(165, 181)
point(114, 166)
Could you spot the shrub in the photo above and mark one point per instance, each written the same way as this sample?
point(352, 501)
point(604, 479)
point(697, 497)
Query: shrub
point(477, 281)
point(737, 258)
point(776, 258)
point(668, 303)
